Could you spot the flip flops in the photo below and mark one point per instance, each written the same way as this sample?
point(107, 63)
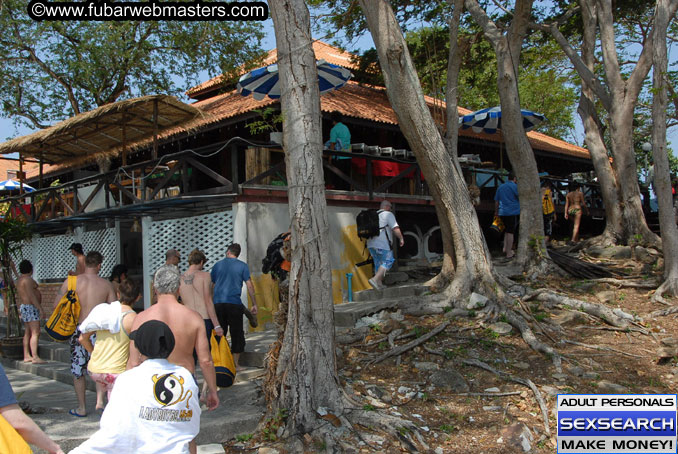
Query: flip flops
point(73, 412)
point(252, 318)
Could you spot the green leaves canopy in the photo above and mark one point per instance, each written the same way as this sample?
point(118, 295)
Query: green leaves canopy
point(52, 70)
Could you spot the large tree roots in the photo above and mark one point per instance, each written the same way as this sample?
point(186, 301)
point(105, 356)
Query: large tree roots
point(670, 287)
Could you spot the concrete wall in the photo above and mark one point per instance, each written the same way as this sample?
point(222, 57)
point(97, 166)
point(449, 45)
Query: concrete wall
point(257, 223)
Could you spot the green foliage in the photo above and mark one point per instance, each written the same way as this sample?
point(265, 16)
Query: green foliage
point(419, 331)
point(13, 232)
point(270, 430)
point(244, 437)
point(368, 407)
point(269, 120)
point(448, 428)
point(54, 69)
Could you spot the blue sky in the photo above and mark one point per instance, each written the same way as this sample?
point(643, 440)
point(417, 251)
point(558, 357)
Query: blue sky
point(7, 129)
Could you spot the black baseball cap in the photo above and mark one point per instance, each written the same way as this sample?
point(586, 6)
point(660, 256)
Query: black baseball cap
point(153, 339)
point(77, 247)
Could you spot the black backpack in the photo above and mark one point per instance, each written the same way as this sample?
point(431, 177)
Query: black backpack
point(274, 258)
point(368, 223)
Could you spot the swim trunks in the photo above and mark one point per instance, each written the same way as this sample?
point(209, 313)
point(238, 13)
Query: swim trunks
point(29, 313)
point(79, 356)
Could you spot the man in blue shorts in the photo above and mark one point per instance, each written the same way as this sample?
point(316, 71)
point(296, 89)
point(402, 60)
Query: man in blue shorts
point(507, 207)
point(380, 246)
point(228, 276)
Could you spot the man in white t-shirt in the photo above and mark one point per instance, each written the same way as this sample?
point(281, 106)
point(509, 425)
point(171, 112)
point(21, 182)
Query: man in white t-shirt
point(154, 407)
point(380, 246)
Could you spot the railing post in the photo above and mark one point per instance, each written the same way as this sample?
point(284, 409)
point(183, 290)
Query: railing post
point(370, 182)
point(234, 169)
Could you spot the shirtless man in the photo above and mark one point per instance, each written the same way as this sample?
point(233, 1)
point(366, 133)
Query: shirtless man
point(91, 290)
point(574, 205)
point(76, 250)
point(188, 329)
point(31, 311)
point(196, 292)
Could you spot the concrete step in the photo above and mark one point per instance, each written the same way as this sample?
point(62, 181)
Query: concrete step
point(396, 291)
point(347, 314)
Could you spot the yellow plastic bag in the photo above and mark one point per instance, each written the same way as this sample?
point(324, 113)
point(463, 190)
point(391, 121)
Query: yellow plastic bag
point(223, 361)
point(64, 320)
point(10, 440)
point(497, 224)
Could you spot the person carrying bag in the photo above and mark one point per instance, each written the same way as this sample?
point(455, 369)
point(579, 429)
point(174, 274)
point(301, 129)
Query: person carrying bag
point(64, 319)
point(223, 361)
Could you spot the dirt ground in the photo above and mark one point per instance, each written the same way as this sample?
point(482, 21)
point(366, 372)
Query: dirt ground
point(450, 421)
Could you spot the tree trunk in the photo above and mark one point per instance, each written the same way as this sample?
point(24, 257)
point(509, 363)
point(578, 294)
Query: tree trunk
point(531, 249)
point(593, 130)
point(662, 178)
point(442, 171)
point(306, 377)
point(618, 96)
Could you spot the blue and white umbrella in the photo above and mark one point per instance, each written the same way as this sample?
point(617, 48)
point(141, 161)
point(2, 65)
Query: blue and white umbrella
point(12, 185)
point(489, 120)
point(264, 81)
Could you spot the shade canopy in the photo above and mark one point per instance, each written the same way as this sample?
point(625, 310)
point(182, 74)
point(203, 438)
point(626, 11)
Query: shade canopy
point(13, 185)
point(103, 131)
point(489, 120)
point(265, 81)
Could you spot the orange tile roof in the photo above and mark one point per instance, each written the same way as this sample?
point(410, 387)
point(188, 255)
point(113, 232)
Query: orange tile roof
point(364, 102)
point(322, 51)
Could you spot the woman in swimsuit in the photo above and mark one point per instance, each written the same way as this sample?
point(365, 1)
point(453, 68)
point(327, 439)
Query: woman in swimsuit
point(574, 204)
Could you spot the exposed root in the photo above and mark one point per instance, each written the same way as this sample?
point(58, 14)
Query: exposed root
point(665, 312)
point(530, 339)
point(523, 381)
point(601, 348)
point(599, 310)
point(398, 428)
point(669, 286)
point(626, 283)
point(403, 348)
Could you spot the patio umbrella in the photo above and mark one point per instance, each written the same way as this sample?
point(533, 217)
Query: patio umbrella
point(489, 120)
point(264, 81)
point(12, 185)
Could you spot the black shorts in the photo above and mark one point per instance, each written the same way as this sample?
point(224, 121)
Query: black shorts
point(230, 319)
point(548, 224)
point(510, 223)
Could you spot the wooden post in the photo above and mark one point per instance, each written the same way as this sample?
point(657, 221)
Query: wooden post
point(21, 174)
point(234, 169)
point(124, 139)
point(41, 173)
point(155, 128)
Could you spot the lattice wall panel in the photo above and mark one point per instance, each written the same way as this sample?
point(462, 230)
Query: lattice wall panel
point(211, 233)
point(104, 241)
point(26, 252)
point(51, 257)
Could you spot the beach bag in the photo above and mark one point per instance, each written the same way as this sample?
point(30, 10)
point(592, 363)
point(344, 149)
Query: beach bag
point(368, 224)
point(497, 225)
point(224, 365)
point(64, 320)
point(547, 203)
point(10, 440)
